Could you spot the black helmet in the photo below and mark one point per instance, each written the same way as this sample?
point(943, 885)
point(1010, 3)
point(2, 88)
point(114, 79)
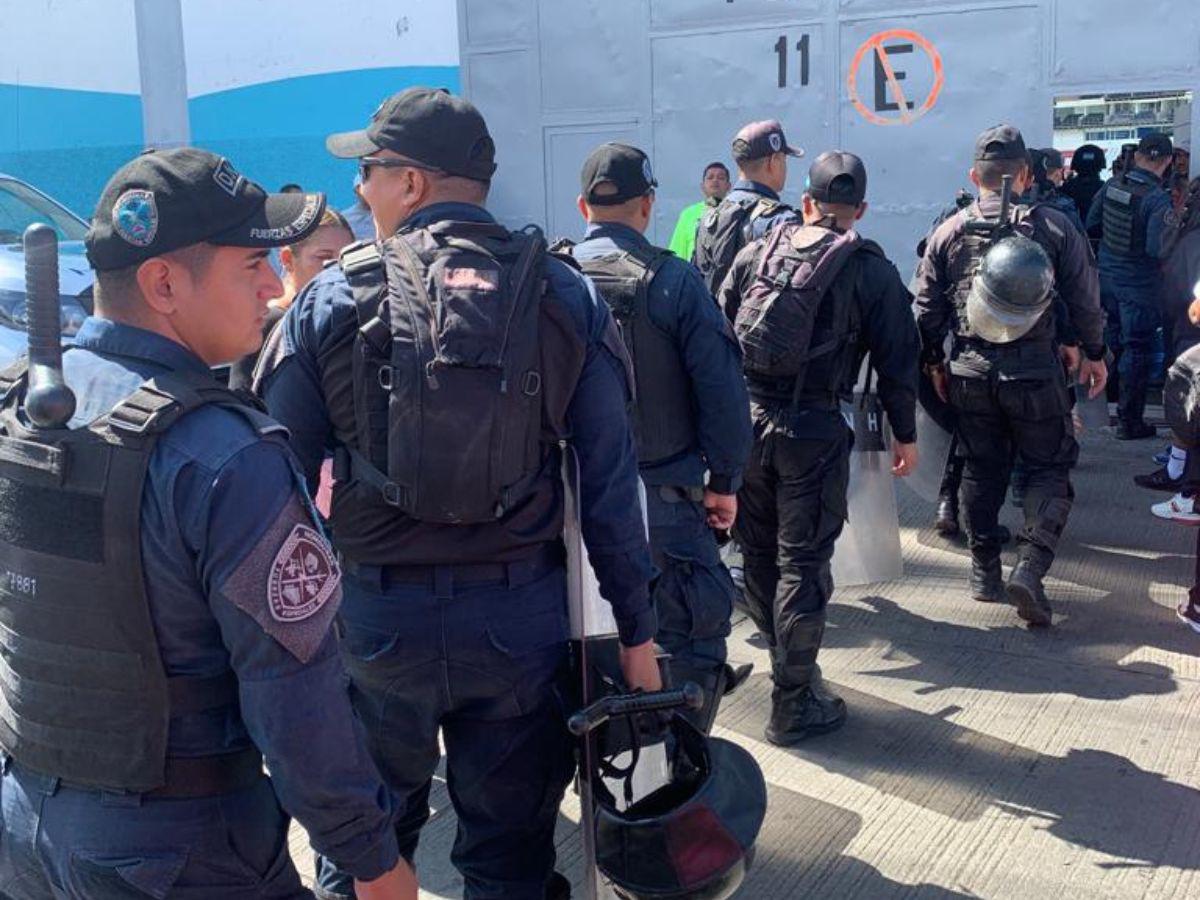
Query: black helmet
point(1011, 291)
point(1088, 159)
point(694, 836)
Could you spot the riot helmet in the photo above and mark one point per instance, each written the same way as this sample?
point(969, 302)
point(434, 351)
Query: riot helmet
point(694, 836)
point(1011, 290)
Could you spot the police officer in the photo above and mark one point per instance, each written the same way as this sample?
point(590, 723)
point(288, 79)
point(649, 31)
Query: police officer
point(1047, 170)
point(1087, 162)
point(1131, 216)
point(443, 366)
point(692, 415)
point(170, 591)
point(753, 206)
point(1005, 379)
point(792, 505)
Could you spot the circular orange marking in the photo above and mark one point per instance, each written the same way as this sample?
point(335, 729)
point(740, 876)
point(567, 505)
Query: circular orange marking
point(874, 44)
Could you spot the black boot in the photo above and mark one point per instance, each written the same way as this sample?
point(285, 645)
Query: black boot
point(557, 887)
point(801, 706)
point(987, 578)
point(946, 520)
point(1025, 590)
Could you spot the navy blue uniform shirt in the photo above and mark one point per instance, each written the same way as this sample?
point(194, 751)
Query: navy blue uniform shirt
point(744, 189)
point(1142, 269)
point(680, 305)
point(219, 500)
point(319, 325)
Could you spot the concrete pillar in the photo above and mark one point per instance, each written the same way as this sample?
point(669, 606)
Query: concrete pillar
point(163, 68)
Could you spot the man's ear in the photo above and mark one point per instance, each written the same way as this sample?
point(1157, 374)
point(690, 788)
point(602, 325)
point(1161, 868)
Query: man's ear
point(974, 177)
point(158, 280)
point(287, 258)
point(583, 208)
point(862, 211)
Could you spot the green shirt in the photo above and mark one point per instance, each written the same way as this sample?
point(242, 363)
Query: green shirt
point(683, 241)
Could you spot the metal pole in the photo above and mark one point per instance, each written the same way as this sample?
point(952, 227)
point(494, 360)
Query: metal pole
point(163, 69)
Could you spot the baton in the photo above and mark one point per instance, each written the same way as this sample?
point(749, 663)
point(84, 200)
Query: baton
point(1005, 200)
point(49, 403)
point(591, 717)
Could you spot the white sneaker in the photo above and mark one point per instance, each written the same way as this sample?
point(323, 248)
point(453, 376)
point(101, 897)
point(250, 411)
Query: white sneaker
point(1179, 509)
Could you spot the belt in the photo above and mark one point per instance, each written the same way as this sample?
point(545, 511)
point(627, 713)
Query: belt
point(209, 776)
point(680, 494)
point(189, 778)
point(545, 560)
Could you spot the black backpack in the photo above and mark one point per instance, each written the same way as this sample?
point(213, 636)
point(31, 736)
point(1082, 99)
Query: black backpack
point(448, 331)
point(723, 232)
point(776, 320)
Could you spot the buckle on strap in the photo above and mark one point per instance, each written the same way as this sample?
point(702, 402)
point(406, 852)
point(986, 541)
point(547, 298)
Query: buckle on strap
point(358, 259)
point(141, 410)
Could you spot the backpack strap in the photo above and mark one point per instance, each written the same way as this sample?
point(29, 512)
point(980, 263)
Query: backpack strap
point(160, 402)
point(362, 264)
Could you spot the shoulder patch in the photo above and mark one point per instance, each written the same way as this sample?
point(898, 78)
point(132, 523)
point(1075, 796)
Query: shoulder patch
point(289, 583)
point(304, 575)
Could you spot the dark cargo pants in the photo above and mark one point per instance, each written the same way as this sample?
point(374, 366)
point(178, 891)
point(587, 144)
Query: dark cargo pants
point(1134, 317)
point(693, 596)
point(487, 664)
point(791, 510)
point(1017, 410)
point(67, 843)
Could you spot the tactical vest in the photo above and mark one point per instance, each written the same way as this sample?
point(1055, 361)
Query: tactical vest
point(1124, 228)
point(664, 421)
point(800, 319)
point(967, 253)
point(447, 376)
point(725, 230)
point(84, 693)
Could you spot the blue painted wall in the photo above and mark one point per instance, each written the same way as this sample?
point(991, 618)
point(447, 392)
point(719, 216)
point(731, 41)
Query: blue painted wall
point(68, 142)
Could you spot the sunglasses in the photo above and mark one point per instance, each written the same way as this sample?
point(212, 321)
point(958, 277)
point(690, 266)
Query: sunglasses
point(366, 163)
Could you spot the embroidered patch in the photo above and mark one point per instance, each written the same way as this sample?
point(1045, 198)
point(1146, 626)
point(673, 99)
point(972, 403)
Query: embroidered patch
point(776, 142)
point(303, 576)
point(298, 225)
point(135, 217)
point(471, 279)
point(647, 172)
point(227, 177)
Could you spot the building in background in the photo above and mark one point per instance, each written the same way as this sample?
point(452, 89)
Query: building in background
point(86, 84)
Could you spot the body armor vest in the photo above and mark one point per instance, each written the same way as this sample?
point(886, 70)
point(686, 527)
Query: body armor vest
point(664, 420)
point(800, 319)
point(725, 230)
point(1124, 230)
point(82, 685)
point(447, 372)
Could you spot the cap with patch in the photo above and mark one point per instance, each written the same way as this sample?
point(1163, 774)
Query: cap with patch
point(837, 177)
point(1000, 142)
point(426, 125)
point(1156, 146)
point(165, 200)
point(762, 139)
point(626, 168)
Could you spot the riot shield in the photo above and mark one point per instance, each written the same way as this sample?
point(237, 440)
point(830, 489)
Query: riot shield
point(935, 441)
point(868, 550)
point(594, 639)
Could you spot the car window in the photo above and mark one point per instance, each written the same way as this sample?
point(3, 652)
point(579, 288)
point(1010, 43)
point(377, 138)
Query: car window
point(21, 206)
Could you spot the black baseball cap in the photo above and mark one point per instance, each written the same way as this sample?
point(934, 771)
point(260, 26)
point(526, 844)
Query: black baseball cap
point(426, 125)
point(1000, 142)
point(837, 177)
point(1156, 146)
point(1051, 159)
point(762, 139)
point(166, 200)
point(626, 168)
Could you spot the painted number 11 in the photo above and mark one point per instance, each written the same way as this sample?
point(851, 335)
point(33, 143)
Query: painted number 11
point(781, 49)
